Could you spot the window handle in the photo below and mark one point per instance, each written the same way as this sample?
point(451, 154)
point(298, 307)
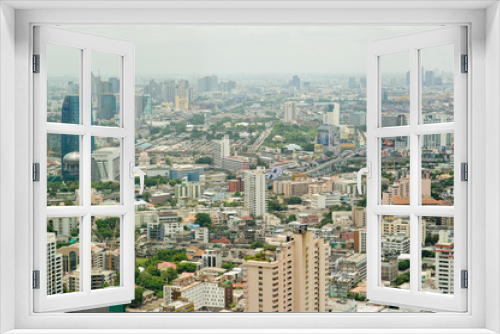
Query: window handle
point(139, 171)
point(366, 170)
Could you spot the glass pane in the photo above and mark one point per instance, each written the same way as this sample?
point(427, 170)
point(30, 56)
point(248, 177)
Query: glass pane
point(105, 171)
point(437, 169)
point(63, 84)
point(437, 84)
point(63, 170)
point(437, 255)
point(395, 252)
point(395, 180)
point(395, 89)
point(105, 248)
point(105, 89)
point(63, 255)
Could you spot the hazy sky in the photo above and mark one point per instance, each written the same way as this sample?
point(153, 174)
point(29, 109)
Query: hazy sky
point(225, 50)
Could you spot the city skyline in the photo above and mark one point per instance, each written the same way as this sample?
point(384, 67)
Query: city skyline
point(233, 51)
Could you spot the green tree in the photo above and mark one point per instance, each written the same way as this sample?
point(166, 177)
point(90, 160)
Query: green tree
point(203, 219)
point(186, 267)
point(403, 265)
point(171, 274)
point(228, 266)
point(146, 196)
point(139, 298)
point(294, 200)
point(204, 160)
point(256, 244)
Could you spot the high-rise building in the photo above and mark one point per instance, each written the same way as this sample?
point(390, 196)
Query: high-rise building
point(236, 186)
point(357, 118)
point(64, 225)
point(106, 164)
point(255, 191)
point(353, 84)
point(212, 258)
point(143, 105)
point(360, 241)
point(429, 78)
point(187, 173)
point(328, 136)
point(188, 190)
point(290, 112)
point(295, 82)
point(332, 114)
point(156, 231)
point(115, 85)
point(70, 115)
point(445, 263)
point(208, 84)
point(107, 107)
point(168, 91)
point(358, 216)
point(235, 163)
point(171, 222)
point(54, 266)
point(182, 99)
point(202, 234)
point(293, 279)
point(221, 149)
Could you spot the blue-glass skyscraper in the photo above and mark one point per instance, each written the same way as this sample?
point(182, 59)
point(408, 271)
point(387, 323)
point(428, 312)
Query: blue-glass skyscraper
point(71, 143)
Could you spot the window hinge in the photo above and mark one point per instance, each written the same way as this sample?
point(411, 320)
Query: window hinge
point(464, 171)
point(465, 64)
point(465, 279)
point(36, 63)
point(36, 172)
point(36, 279)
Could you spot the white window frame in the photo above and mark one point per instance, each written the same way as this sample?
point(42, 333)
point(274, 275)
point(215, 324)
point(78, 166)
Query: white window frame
point(412, 44)
point(86, 44)
point(484, 50)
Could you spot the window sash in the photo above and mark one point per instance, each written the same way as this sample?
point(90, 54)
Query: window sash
point(414, 298)
point(86, 297)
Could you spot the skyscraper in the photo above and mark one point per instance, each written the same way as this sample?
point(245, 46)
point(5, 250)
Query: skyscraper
point(71, 143)
point(143, 105)
point(107, 106)
point(332, 114)
point(54, 267)
point(221, 149)
point(208, 84)
point(294, 278)
point(290, 111)
point(328, 137)
point(295, 82)
point(255, 191)
point(445, 263)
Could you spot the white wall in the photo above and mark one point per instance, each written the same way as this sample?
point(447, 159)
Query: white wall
point(493, 163)
point(7, 181)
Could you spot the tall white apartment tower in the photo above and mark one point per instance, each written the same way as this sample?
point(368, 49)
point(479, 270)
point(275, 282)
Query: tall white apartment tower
point(221, 149)
point(54, 266)
point(445, 263)
point(332, 114)
point(255, 191)
point(290, 111)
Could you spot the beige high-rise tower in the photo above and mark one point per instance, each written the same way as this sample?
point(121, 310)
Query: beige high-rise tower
point(294, 280)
